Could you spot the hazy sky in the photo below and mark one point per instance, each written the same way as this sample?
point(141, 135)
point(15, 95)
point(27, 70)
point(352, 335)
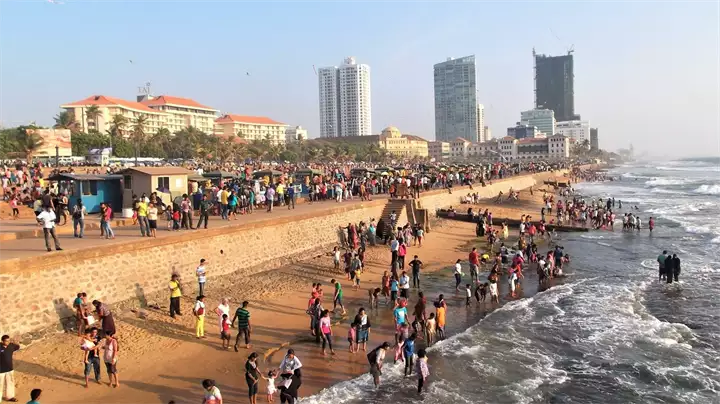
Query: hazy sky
point(645, 72)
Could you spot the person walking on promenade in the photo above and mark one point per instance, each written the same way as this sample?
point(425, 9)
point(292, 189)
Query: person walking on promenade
point(201, 273)
point(46, 219)
point(205, 207)
point(78, 216)
point(175, 295)
point(199, 312)
point(7, 374)
point(142, 211)
point(242, 315)
point(105, 219)
point(186, 212)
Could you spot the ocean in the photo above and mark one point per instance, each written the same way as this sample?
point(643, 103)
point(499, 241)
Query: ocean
point(611, 332)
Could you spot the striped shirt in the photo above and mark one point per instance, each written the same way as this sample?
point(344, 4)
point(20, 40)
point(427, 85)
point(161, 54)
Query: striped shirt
point(243, 317)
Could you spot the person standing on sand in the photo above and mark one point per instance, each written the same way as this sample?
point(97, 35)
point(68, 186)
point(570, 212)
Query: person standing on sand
point(91, 354)
point(242, 315)
point(376, 357)
point(7, 373)
point(110, 357)
point(252, 377)
point(326, 329)
point(212, 393)
point(223, 308)
point(362, 334)
point(337, 296)
point(175, 295)
point(201, 273)
point(105, 316)
point(199, 313)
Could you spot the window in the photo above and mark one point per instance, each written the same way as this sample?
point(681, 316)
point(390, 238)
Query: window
point(89, 187)
point(163, 182)
point(128, 181)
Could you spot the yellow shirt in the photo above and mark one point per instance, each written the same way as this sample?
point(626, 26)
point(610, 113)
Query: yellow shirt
point(440, 316)
point(142, 208)
point(280, 189)
point(175, 287)
point(224, 197)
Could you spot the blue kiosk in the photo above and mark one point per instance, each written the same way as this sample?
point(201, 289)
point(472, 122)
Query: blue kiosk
point(92, 189)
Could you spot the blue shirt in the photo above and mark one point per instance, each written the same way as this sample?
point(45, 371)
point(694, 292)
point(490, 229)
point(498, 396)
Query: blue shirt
point(409, 347)
point(393, 285)
point(400, 315)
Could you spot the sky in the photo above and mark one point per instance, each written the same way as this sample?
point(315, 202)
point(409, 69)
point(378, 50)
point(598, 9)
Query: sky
point(646, 73)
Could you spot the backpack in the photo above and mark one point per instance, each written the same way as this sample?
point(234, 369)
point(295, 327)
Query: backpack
point(77, 213)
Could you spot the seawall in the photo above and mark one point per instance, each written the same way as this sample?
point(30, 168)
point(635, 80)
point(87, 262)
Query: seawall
point(36, 292)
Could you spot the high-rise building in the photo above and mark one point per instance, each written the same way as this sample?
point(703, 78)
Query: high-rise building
point(481, 123)
point(345, 100)
point(554, 81)
point(487, 133)
point(578, 130)
point(523, 131)
point(544, 119)
point(594, 143)
point(456, 105)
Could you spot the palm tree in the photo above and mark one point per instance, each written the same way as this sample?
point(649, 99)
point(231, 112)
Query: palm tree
point(240, 134)
point(117, 129)
point(66, 120)
point(92, 112)
point(29, 142)
point(138, 132)
point(163, 138)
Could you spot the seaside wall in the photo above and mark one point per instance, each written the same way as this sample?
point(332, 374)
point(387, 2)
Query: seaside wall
point(36, 292)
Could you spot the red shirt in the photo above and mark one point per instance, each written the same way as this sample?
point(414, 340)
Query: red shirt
point(474, 258)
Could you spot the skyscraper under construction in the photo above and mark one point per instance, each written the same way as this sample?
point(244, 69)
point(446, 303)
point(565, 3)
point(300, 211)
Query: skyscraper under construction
point(554, 80)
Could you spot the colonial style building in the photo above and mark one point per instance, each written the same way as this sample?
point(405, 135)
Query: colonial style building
point(251, 128)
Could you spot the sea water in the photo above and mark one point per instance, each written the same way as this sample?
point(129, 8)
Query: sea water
point(611, 333)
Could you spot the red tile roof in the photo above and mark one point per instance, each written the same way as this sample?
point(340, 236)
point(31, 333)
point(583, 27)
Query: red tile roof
point(260, 120)
point(103, 100)
point(168, 99)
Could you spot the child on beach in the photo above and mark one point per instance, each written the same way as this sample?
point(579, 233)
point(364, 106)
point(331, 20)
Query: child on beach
point(399, 349)
point(409, 353)
point(421, 368)
point(352, 337)
point(374, 296)
point(481, 292)
point(225, 334)
point(356, 285)
point(336, 257)
point(468, 294)
point(271, 389)
point(494, 292)
point(430, 329)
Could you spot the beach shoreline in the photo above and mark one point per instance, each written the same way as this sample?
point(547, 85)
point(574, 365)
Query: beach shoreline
point(278, 301)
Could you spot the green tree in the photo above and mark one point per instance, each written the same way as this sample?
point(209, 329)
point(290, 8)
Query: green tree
point(92, 112)
point(66, 120)
point(29, 143)
point(138, 133)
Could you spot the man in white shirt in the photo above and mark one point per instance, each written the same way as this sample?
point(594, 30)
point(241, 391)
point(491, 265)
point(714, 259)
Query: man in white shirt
point(394, 247)
point(201, 273)
point(46, 219)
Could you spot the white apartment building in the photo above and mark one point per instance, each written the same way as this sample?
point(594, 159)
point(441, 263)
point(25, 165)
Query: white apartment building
point(250, 128)
point(488, 134)
point(481, 123)
point(295, 134)
point(578, 130)
point(344, 94)
point(439, 150)
point(182, 112)
point(329, 96)
point(171, 113)
point(543, 119)
point(546, 148)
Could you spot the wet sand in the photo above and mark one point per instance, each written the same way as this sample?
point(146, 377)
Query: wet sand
point(160, 358)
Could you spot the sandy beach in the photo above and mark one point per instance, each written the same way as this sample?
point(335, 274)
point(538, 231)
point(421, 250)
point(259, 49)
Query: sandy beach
point(161, 360)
